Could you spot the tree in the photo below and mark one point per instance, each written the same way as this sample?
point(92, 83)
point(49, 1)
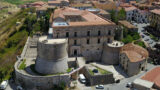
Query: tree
point(122, 14)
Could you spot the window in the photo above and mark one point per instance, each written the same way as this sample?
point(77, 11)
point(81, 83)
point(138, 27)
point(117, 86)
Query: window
point(75, 42)
point(75, 52)
point(88, 33)
point(75, 34)
point(109, 32)
point(108, 40)
point(99, 41)
point(99, 33)
point(87, 41)
point(67, 34)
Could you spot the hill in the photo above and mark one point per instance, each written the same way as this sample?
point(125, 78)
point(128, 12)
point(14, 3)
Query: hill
point(19, 2)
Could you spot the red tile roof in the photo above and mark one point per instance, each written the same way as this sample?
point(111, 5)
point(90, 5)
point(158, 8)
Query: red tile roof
point(129, 8)
point(153, 76)
point(156, 11)
point(134, 52)
point(90, 18)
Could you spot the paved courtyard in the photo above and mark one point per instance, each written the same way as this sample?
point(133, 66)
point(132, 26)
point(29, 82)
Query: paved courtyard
point(118, 73)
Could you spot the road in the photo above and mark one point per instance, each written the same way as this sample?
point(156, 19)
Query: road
point(146, 38)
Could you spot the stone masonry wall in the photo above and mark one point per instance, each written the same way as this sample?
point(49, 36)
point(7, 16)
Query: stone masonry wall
point(97, 79)
point(33, 82)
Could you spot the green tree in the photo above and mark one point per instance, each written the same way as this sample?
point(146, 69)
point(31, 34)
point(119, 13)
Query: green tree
point(122, 14)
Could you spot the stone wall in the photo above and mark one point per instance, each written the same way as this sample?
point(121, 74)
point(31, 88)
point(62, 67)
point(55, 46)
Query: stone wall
point(97, 79)
point(110, 54)
point(52, 57)
point(33, 82)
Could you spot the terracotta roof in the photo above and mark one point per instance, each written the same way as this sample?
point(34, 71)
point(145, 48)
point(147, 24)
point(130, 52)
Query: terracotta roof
point(81, 5)
point(56, 1)
point(90, 18)
point(39, 3)
point(134, 52)
point(125, 5)
point(129, 8)
point(153, 76)
point(105, 6)
point(156, 11)
point(103, 12)
point(132, 2)
point(127, 24)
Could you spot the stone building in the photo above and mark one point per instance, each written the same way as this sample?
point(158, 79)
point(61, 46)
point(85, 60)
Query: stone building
point(81, 6)
point(135, 14)
point(154, 19)
point(149, 81)
point(127, 25)
point(111, 52)
point(58, 3)
point(86, 32)
point(133, 59)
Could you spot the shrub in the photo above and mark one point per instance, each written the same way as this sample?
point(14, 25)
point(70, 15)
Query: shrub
point(23, 65)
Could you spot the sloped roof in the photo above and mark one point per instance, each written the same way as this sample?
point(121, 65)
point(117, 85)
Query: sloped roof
point(153, 76)
point(134, 52)
point(156, 11)
point(90, 18)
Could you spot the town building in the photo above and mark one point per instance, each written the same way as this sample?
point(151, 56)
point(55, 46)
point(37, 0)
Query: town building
point(154, 19)
point(137, 15)
point(86, 32)
point(130, 13)
point(81, 6)
point(149, 81)
point(58, 3)
point(133, 59)
point(127, 25)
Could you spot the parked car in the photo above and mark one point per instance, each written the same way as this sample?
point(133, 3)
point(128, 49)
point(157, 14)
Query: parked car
point(146, 34)
point(19, 88)
point(99, 87)
point(142, 36)
point(4, 85)
point(129, 85)
point(146, 40)
point(82, 78)
point(150, 42)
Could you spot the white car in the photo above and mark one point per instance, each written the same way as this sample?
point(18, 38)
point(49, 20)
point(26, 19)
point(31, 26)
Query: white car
point(99, 87)
point(4, 84)
point(19, 88)
point(129, 85)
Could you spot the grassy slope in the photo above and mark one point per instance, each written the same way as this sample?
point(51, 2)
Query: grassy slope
point(11, 43)
point(18, 2)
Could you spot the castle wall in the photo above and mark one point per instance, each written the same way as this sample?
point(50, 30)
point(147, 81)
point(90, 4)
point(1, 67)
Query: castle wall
point(97, 79)
point(32, 82)
point(110, 54)
point(52, 56)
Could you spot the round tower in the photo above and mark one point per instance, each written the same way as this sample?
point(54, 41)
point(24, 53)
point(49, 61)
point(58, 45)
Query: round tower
point(52, 56)
point(111, 52)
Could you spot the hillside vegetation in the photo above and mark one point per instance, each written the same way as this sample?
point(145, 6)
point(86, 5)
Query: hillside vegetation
point(13, 37)
point(18, 2)
point(12, 40)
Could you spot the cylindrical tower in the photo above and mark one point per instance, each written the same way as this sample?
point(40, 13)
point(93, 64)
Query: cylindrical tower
point(111, 52)
point(52, 56)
